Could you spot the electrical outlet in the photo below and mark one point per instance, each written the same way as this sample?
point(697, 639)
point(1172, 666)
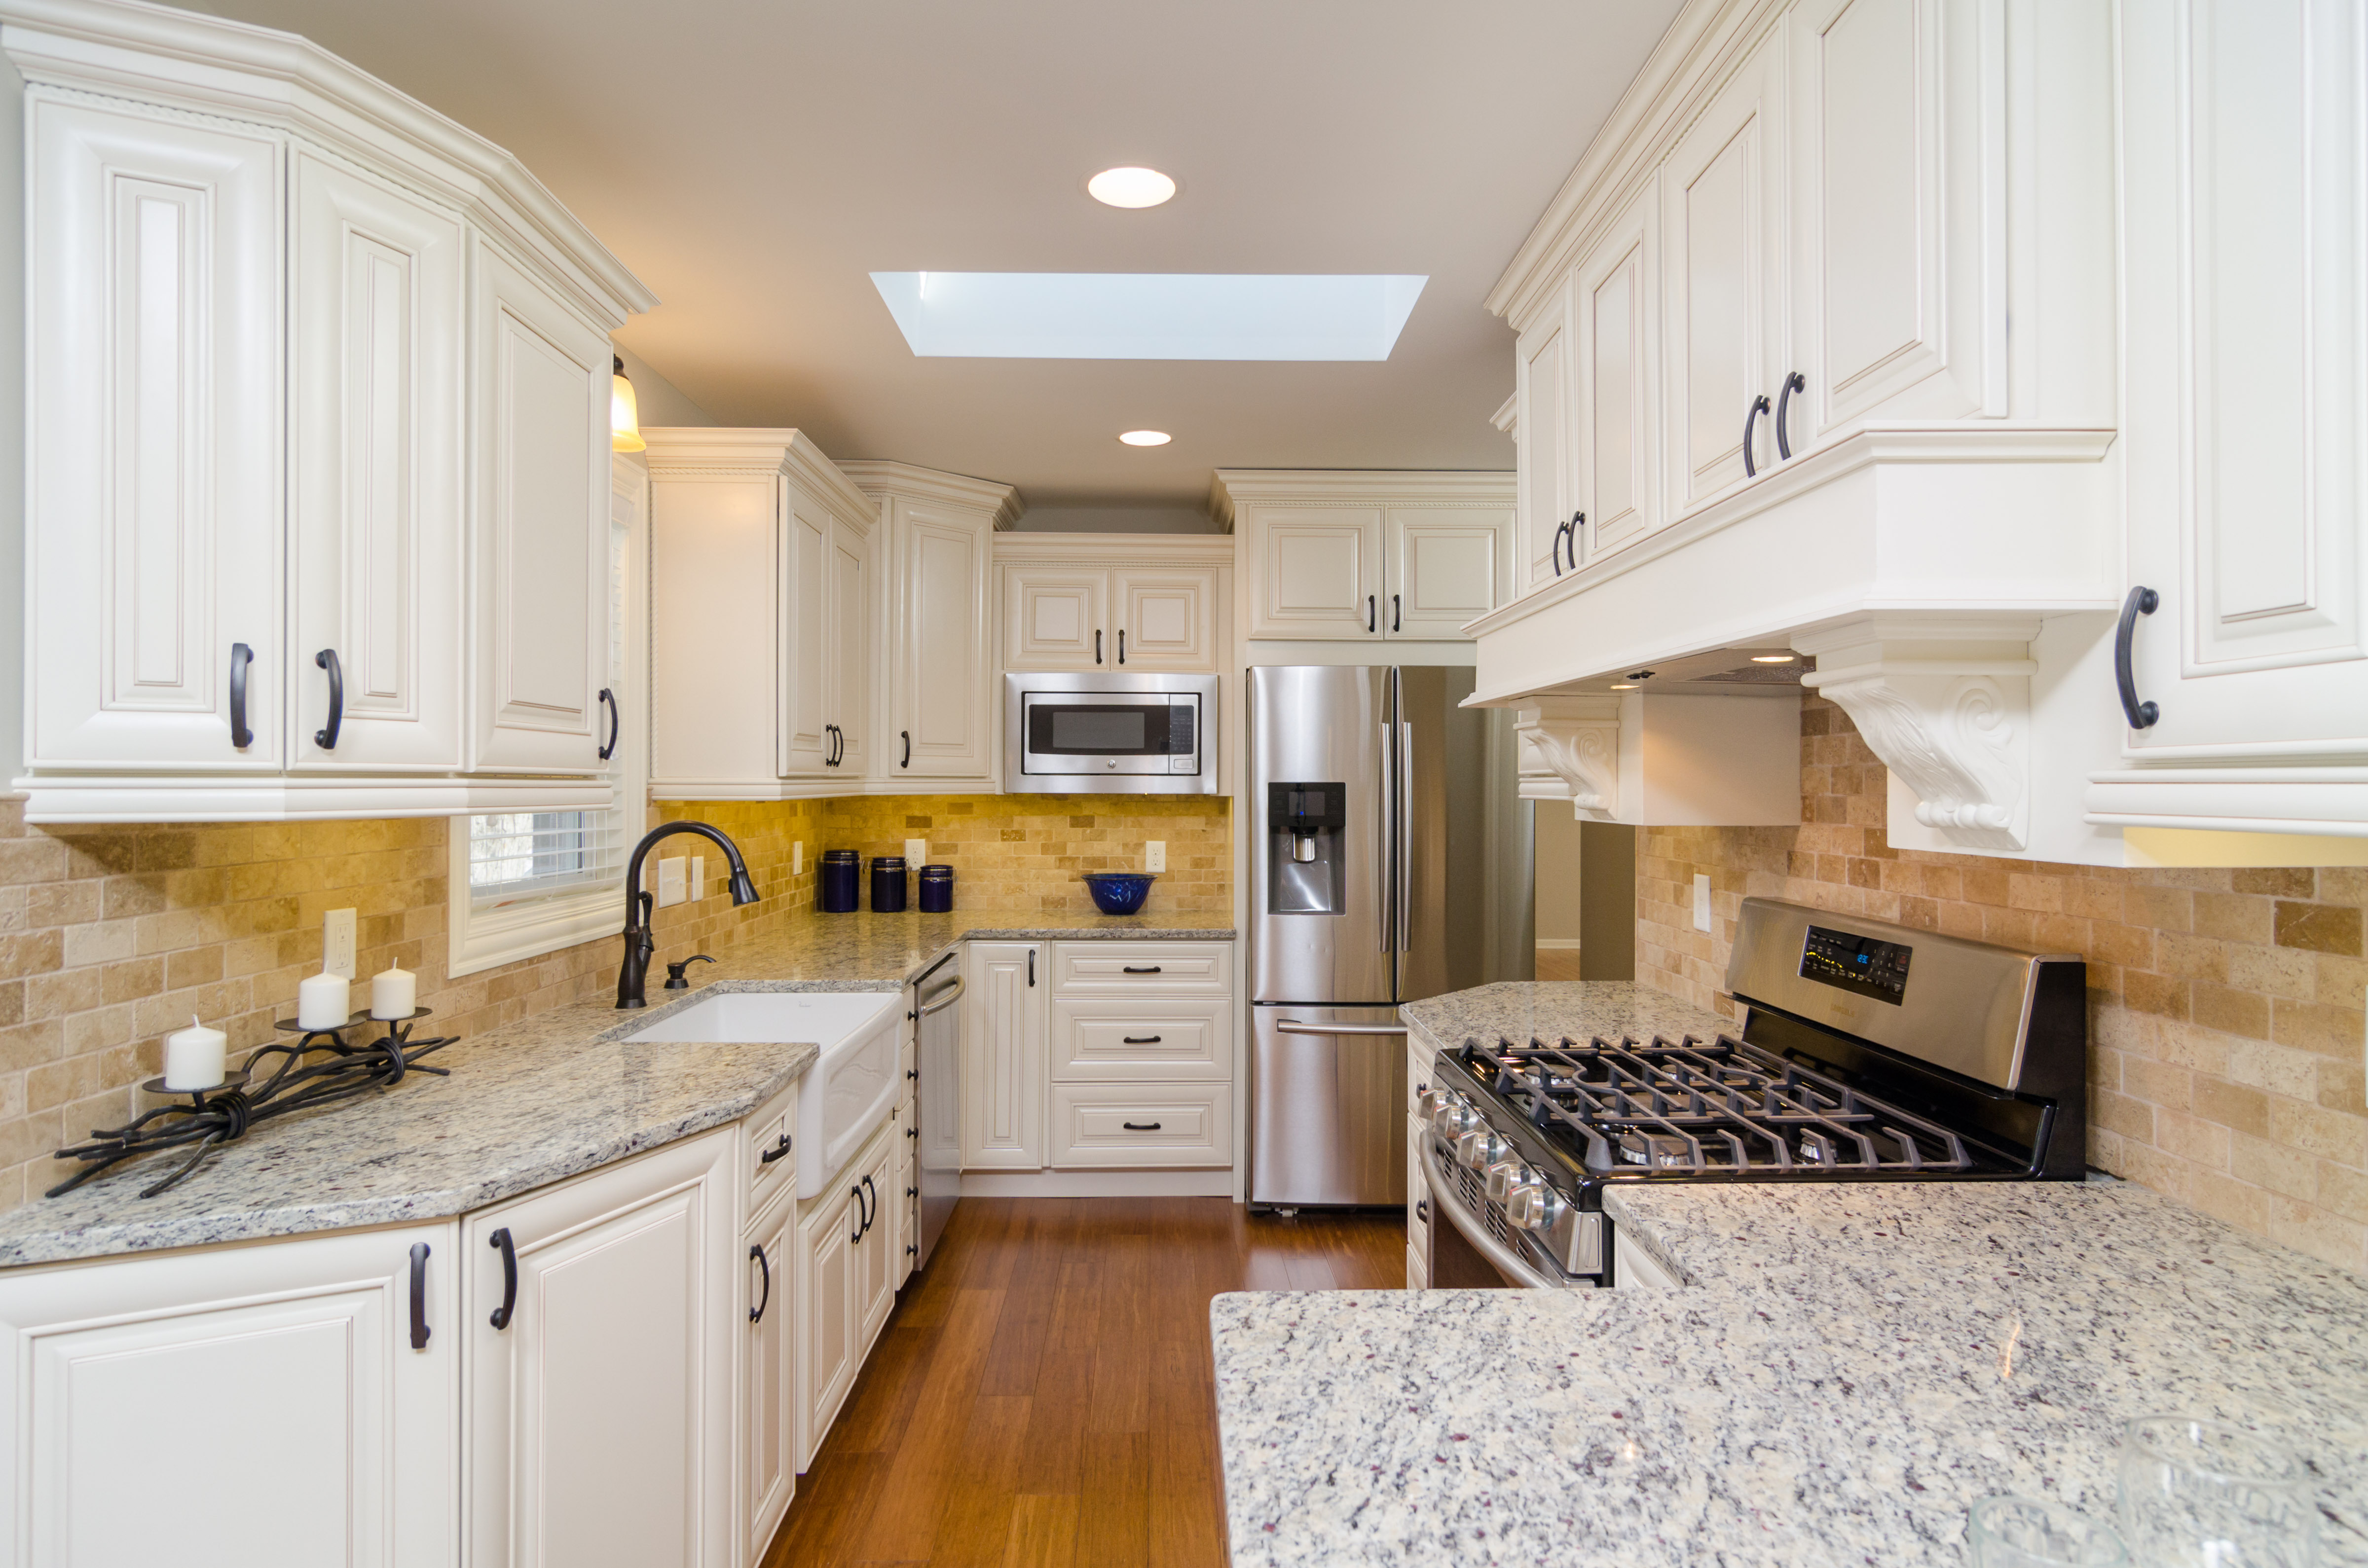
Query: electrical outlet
point(1154, 855)
point(797, 857)
point(1701, 902)
point(670, 880)
point(916, 853)
point(698, 877)
point(337, 943)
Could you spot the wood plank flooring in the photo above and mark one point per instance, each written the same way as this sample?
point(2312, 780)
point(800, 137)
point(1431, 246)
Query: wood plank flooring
point(1043, 1395)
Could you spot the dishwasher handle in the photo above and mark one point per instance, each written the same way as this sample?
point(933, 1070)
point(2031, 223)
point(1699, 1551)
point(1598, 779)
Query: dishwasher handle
point(946, 1001)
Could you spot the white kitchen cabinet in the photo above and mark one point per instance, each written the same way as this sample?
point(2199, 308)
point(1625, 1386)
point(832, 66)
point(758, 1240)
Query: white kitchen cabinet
point(1140, 1126)
point(1724, 283)
point(1368, 557)
point(378, 287)
point(1055, 618)
point(1067, 606)
point(769, 1374)
point(1447, 566)
point(1003, 1044)
point(1318, 572)
point(1541, 398)
point(846, 679)
point(875, 1247)
point(311, 378)
point(1615, 385)
point(845, 1286)
point(143, 1392)
point(601, 1405)
point(1164, 619)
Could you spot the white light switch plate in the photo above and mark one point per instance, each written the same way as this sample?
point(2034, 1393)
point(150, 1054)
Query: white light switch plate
point(337, 943)
point(698, 877)
point(797, 857)
point(1154, 855)
point(670, 881)
point(916, 853)
point(1701, 902)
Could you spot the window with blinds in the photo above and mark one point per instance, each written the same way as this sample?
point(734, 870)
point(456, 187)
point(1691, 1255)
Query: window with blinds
point(519, 855)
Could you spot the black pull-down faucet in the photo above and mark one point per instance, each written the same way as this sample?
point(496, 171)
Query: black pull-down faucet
point(639, 944)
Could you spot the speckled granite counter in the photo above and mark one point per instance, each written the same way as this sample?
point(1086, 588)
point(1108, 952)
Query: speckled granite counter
point(1522, 1010)
point(527, 1104)
point(1849, 1369)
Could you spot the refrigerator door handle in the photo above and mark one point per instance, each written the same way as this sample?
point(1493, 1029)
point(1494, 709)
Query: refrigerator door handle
point(1292, 1026)
point(1405, 920)
point(1386, 868)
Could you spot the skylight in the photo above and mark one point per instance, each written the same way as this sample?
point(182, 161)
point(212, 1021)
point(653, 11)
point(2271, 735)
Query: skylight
point(1149, 316)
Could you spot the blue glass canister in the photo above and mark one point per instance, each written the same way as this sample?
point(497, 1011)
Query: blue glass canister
point(936, 889)
point(835, 885)
point(887, 884)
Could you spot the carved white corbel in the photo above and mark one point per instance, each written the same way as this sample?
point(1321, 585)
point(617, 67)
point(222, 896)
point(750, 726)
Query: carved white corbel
point(1947, 707)
point(1570, 751)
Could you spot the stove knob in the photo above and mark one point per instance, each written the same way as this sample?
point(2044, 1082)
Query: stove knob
point(1427, 1104)
point(1506, 1177)
point(1535, 1207)
point(1478, 1150)
point(1453, 1119)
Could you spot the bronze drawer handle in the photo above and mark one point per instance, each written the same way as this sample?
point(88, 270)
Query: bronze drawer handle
point(1140, 1039)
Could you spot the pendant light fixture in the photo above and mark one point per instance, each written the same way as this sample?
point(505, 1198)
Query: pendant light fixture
point(624, 412)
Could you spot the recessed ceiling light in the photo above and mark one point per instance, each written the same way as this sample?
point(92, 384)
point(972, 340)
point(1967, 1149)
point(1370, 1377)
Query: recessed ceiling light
point(1147, 437)
point(1129, 187)
point(1771, 658)
point(1149, 316)
point(1623, 686)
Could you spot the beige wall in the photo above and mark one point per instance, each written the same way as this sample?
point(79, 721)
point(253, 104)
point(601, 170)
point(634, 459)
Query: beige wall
point(2226, 1023)
point(1557, 880)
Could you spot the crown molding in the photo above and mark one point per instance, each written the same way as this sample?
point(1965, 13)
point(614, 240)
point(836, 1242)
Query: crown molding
point(877, 477)
point(281, 79)
point(1508, 415)
point(1233, 487)
point(1114, 550)
point(691, 452)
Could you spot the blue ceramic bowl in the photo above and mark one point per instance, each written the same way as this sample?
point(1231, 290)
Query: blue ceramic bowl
point(1120, 892)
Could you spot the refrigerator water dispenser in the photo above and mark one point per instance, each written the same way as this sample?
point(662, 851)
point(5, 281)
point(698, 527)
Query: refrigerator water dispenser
point(1307, 863)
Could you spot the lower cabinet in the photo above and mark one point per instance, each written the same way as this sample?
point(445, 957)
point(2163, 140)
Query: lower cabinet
point(600, 1367)
point(148, 1398)
point(1006, 986)
point(1141, 1126)
point(769, 1373)
point(847, 1286)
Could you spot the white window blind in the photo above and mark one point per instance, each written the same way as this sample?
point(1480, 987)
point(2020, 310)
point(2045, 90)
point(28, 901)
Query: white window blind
point(518, 855)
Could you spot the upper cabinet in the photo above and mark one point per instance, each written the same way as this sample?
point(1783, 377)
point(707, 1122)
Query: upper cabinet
point(1367, 557)
point(763, 617)
point(1122, 603)
point(317, 441)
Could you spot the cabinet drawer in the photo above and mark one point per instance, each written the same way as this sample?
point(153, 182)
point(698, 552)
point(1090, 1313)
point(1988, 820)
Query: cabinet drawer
point(769, 1130)
point(1148, 1040)
point(1142, 969)
point(1108, 1126)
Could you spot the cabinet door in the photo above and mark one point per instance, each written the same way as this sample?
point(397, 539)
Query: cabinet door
point(600, 1416)
point(849, 696)
point(805, 739)
point(1616, 414)
point(2245, 192)
point(1541, 386)
point(714, 563)
point(153, 522)
point(1002, 1056)
point(144, 1392)
point(769, 1374)
point(828, 1349)
point(1319, 571)
point(1167, 621)
point(541, 550)
point(875, 1267)
point(1447, 566)
point(945, 663)
point(1722, 284)
point(1055, 619)
point(374, 539)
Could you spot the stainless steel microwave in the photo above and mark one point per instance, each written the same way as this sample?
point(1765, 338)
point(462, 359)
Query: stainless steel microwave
point(1093, 734)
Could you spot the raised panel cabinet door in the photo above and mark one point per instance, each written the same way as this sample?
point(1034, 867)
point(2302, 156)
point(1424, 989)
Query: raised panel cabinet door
point(378, 307)
point(876, 1253)
point(1448, 566)
point(715, 541)
point(1055, 619)
point(1319, 571)
point(945, 667)
point(1879, 266)
point(769, 1373)
point(144, 1392)
point(2245, 193)
point(1003, 1044)
point(1542, 447)
point(807, 743)
point(1722, 297)
point(849, 699)
point(828, 1349)
point(1166, 619)
point(153, 450)
point(1616, 413)
point(600, 1409)
point(540, 547)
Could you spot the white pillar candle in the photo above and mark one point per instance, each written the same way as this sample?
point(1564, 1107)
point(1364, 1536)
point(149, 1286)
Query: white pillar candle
point(195, 1057)
point(394, 993)
point(323, 1001)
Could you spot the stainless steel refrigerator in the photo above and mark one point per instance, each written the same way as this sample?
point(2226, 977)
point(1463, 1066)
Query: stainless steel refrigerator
point(1391, 860)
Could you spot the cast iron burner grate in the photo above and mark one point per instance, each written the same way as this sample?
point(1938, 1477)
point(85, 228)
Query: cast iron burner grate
point(1710, 1107)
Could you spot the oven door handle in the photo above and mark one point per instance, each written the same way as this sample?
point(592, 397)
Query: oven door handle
point(1502, 1258)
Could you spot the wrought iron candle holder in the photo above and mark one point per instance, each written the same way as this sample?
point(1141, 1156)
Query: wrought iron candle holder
point(221, 1113)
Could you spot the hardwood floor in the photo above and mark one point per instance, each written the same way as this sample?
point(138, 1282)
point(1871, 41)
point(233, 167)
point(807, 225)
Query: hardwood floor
point(1043, 1395)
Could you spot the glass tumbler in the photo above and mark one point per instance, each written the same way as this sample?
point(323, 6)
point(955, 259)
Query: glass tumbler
point(2022, 1532)
point(2198, 1495)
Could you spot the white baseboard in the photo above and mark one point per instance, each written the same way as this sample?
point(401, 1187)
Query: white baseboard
point(1558, 944)
point(1099, 1184)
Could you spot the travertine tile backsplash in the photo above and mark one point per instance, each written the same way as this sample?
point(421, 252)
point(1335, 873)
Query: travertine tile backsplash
point(2225, 1007)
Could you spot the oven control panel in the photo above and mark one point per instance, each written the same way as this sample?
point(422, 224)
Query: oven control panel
point(1864, 966)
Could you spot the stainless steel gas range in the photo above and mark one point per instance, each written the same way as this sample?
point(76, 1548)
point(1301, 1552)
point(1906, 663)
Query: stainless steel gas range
point(1868, 1051)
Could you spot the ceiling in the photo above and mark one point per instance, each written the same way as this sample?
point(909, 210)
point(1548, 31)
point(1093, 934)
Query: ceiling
point(752, 161)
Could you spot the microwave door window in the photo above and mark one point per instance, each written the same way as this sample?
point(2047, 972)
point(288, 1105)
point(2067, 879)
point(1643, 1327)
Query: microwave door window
point(1098, 729)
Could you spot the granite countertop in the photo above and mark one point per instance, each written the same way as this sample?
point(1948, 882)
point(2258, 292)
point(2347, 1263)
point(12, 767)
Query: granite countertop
point(1848, 1367)
point(1523, 1010)
point(527, 1104)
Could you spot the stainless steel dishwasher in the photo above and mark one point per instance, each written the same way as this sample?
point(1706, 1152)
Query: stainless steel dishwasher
point(936, 1099)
